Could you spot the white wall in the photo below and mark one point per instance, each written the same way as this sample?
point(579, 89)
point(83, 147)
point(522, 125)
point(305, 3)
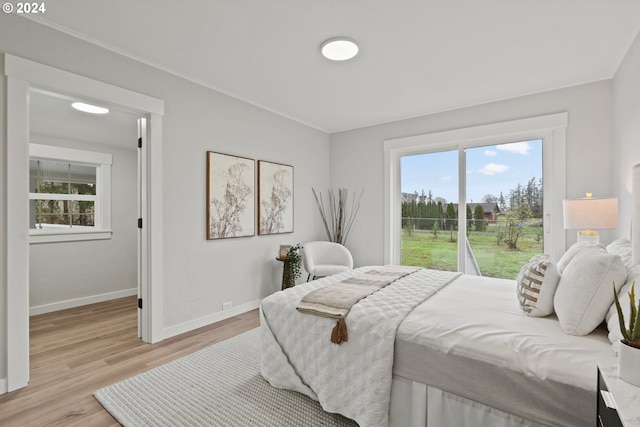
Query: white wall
point(626, 132)
point(75, 271)
point(357, 156)
point(199, 275)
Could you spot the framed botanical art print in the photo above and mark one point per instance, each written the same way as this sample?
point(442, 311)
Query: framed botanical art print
point(275, 198)
point(230, 196)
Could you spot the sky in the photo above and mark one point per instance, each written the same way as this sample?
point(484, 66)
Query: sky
point(490, 170)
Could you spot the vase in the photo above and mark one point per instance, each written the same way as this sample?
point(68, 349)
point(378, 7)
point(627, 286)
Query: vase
point(629, 364)
point(284, 250)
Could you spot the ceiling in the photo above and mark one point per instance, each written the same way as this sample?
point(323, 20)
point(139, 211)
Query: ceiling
point(51, 115)
point(416, 57)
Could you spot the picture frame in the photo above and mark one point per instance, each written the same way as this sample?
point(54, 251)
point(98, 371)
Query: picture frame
point(230, 196)
point(275, 198)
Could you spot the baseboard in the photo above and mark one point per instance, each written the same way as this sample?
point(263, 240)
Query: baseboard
point(63, 305)
point(3, 386)
point(210, 319)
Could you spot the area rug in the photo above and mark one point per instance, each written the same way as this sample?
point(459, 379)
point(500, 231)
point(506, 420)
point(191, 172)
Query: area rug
point(218, 386)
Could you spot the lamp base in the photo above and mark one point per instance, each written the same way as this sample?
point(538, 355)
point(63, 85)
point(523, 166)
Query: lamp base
point(588, 236)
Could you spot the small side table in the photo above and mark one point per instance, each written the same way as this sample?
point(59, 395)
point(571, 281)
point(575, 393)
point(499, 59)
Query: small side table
point(617, 400)
point(287, 274)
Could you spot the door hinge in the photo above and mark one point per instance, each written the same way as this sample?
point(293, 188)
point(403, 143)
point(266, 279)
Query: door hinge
point(139, 222)
point(140, 142)
point(140, 303)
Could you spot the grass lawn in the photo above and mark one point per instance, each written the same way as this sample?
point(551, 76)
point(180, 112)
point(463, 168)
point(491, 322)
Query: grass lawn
point(495, 260)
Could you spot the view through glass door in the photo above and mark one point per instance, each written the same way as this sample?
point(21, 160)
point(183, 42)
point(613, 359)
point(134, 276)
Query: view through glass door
point(503, 225)
point(429, 219)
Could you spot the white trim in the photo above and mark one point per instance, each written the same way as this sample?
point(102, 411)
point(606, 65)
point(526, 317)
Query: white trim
point(550, 128)
point(17, 244)
point(22, 76)
point(70, 155)
point(78, 302)
point(53, 196)
point(462, 209)
point(3, 385)
point(67, 235)
point(210, 319)
point(49, 78)
point(152, 232)
point(477, 136)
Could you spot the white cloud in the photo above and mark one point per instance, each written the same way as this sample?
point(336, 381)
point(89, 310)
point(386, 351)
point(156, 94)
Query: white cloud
point(493, 169)
point(490, 153)
point(516, 147)
point(446, 178)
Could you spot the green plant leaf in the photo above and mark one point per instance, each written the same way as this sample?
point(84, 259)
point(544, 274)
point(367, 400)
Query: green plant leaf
point(634, 321)
point(620, 315)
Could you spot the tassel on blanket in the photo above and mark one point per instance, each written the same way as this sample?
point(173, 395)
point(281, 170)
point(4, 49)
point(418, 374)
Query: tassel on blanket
point(339, 333)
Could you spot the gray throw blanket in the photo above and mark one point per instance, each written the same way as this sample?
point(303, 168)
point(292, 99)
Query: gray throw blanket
point(335, 301)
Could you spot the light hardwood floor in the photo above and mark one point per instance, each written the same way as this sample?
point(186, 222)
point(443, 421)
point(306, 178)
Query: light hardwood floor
point(77, 351)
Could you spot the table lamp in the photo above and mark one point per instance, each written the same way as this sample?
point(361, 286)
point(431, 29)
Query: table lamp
point(589, 214)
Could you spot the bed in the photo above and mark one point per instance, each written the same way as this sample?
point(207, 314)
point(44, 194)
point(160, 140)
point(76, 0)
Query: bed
point(467, 353)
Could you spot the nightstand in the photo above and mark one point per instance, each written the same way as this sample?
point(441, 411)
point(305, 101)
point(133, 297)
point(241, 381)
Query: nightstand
point(618, 401)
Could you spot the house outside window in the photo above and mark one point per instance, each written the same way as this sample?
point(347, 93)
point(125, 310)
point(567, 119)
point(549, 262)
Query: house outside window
point(69, 194)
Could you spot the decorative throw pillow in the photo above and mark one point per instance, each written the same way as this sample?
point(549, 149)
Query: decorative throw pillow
point(585, 290)
point(574, 250)
point(536, 286)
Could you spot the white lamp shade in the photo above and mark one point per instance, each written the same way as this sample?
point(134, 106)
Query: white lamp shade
point(593, 214)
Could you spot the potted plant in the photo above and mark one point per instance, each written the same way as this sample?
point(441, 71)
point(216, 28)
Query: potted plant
point(291, 266)
point(629, 353)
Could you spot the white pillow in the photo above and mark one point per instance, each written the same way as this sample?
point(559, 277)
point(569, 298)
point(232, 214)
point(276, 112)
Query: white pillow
point(585, 290)
point(536, 286)
point(622, 248)
point(572, 252)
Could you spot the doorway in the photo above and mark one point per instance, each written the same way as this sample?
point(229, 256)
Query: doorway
point(82, 219)
point(22, 77)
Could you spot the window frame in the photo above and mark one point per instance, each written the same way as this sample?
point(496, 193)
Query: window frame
point(550, 128)
point(102, 208)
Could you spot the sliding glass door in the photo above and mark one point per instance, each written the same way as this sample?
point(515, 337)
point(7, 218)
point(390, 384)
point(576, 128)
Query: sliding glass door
point(429, 218)
point(489, 217)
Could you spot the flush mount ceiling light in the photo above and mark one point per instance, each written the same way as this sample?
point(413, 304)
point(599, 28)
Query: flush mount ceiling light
point(339, 48)
point(88, 108)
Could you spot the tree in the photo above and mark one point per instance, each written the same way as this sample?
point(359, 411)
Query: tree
point(451, 219)
point(515, 218)
point(226, 210)
point(489, 198)
point(478, 216)
point(502, 203)
point(272, 216)
point(435, 229)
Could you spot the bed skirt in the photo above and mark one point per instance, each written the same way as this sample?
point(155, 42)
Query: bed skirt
point(414, 404)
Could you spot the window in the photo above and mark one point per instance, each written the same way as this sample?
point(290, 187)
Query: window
point(550, 129)
point(69, 194)
point(502, 215)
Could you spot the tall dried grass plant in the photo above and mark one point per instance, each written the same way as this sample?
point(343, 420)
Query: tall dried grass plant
point(338, 215)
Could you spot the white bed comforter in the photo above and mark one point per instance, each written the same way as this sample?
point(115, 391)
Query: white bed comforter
point(354, 378)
